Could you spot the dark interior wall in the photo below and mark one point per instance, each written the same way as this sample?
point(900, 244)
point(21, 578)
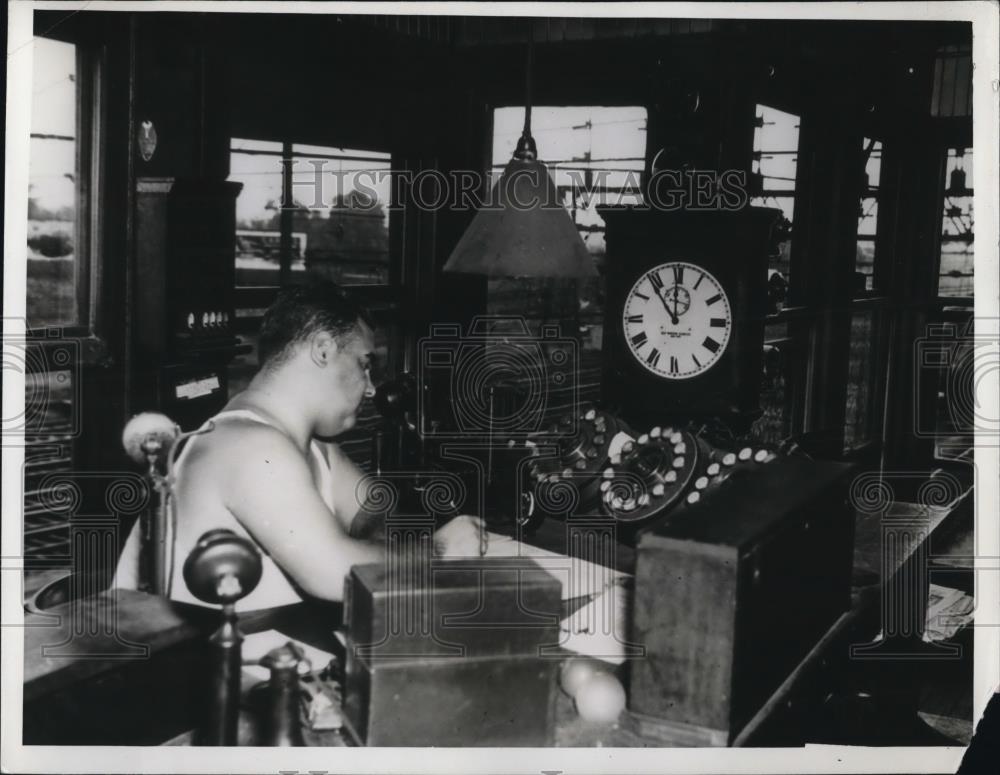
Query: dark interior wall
point(338, 80)
point(326, 81)
point(204, 78)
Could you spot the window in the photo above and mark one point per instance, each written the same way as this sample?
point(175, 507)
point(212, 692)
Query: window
point(53, 277)
point(867, 348)
point(257, 165)
point(337, 225)
point(952, 92)
point(864, 262)
point(772, 178)
point(596, 156)
point(62, 184)
point(956, 276)
point(954, 422)
point(772, 184)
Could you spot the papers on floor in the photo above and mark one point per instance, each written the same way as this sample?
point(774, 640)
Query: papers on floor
point(597, 597)
point(948, 611)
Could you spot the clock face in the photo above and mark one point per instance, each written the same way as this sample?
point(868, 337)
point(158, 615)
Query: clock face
point(677, 320)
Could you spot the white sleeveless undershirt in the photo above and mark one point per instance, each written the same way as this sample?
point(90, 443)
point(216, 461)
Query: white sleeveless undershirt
point(274, 588)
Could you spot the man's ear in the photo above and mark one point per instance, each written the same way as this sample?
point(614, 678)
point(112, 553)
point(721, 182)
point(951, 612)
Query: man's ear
point(322, 348)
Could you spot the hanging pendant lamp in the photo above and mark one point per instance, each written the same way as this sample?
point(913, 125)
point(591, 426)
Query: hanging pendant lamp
point(523, 230)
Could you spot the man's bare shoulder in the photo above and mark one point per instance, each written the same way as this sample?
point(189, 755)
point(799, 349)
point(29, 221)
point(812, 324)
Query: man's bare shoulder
point(242, 440)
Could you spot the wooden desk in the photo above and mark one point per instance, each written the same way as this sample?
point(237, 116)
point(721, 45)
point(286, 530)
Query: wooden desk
point(77, 641)
point(73, 658)
point(106, 670)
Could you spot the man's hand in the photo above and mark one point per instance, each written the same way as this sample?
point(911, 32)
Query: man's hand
point(462, 537)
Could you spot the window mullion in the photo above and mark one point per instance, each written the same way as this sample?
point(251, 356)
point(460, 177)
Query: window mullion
point(285, 218)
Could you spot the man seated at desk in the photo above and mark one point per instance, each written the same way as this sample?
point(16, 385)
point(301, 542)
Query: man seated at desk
point(263, 472)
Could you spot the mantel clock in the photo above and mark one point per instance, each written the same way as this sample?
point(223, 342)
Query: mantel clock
point(684, 316)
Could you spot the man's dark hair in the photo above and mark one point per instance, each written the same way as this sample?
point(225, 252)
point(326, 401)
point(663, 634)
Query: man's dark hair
point(302, 310)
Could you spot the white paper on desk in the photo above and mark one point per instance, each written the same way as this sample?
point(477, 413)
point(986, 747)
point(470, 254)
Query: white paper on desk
point(577, 576)
point(257, 645)
point(598, 628)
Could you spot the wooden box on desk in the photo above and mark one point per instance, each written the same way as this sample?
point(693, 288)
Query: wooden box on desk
point(451, 653)
point(733, 594)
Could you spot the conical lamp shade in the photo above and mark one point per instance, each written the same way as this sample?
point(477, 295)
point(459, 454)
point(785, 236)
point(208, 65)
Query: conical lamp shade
point(522, 231)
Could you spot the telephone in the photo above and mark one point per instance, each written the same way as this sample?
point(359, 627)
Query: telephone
point(639, 479)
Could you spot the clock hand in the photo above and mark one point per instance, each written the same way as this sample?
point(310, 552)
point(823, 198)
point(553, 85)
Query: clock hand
point(673, 315)
point(675, 308)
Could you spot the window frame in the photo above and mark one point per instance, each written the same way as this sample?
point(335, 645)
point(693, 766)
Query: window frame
point(252, 295)
point(879, 275)
point(801, 318)
point(89, 219)
point(952, 301)
point(878, 302)
point(92, 330)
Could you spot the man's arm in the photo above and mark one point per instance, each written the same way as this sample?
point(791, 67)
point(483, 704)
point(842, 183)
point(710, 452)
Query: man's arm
point(463, 536)
point(348, 496)
point(272, 493)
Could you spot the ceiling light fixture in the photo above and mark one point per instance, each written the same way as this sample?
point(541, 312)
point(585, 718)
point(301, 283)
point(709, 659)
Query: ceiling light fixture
point(523, 230)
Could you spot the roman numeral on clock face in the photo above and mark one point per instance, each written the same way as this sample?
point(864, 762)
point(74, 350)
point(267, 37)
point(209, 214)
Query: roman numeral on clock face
point(713, 299)
point(639, 339)
point(634, 318)
point(656, 281)
point(674, 366)
point(654, 357)
point(678, 274)
point(710, 344)
point(718, 322)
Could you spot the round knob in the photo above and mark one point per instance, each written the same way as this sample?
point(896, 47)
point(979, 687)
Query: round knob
point(286, 657)
point(222, 568)
point(148, 433)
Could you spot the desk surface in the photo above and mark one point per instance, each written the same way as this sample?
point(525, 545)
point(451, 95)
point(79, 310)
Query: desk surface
point(81, 639)
point(73, 642)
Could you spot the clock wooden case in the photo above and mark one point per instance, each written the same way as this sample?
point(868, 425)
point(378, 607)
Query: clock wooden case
point(684, 313)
